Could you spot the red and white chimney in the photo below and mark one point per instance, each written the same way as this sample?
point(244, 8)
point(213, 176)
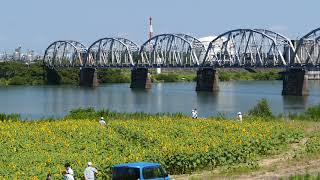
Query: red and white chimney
point(150, 28)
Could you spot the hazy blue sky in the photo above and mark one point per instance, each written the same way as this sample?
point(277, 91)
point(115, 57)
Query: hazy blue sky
point(36, 23)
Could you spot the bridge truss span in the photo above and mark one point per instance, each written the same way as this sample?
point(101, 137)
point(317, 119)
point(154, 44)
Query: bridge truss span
point(171, 50)
point(197, 45)
point(247, 48)
point(289, 51)
point(65, 53)
point(111, 52)
point(308, 48)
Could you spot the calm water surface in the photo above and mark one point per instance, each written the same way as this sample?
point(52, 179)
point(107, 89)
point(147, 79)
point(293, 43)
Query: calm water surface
point(234, 96)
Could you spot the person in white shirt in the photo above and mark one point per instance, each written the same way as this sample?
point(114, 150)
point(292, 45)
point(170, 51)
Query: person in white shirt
point(69, 172)
point(89, 172)
point(68, 177)
point(102, 121)
point(194, 113)
point(239, 116)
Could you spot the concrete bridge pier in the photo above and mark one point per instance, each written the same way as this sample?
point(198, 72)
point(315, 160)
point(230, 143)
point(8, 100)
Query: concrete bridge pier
point(140, 78)
point(88, 77)
point(295, 82)
point(207, 80)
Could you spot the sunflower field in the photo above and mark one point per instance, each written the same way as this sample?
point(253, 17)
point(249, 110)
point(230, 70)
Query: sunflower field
point(31, 150)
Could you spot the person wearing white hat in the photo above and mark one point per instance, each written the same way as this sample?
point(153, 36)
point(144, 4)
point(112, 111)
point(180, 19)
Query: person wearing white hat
point(239, 116)
point(89, 172)
point(102, 121)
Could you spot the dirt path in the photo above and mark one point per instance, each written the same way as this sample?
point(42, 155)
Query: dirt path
point(282, 165)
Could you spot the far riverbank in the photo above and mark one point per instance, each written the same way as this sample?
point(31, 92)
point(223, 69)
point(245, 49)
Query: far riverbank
point(18, 73)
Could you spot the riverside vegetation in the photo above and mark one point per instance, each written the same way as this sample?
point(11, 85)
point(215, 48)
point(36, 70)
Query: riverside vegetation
point(17, 73)
point(31, 149)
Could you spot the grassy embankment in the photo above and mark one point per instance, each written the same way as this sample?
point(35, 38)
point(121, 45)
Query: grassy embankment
point(182, 145)
point(17, 73)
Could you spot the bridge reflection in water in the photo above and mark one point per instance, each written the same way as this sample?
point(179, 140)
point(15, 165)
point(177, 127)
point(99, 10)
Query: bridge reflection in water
point(46, 101)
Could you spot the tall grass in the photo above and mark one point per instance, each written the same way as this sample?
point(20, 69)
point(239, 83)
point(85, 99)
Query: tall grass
point(10, 117)
point(306, 176)
point(91, 113)
point(310, 114)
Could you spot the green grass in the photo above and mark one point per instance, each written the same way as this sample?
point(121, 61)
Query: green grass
point(306, 176)
point(227, 75)
point(311, 114)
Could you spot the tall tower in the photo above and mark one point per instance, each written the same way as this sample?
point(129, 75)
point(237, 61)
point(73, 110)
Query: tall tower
point(150, 28)
point(150, 36)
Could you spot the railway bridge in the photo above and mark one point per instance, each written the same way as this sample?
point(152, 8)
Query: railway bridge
point(238, 48)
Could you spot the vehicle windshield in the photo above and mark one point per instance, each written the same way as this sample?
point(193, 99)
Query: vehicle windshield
point(154, 172)
point(125, 173)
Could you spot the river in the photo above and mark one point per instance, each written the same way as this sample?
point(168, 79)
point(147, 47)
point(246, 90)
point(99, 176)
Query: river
point(55, 101)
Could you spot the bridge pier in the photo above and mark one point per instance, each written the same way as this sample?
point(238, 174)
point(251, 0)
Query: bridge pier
point(140, 78)
point(88, 77)
point(295, 82)
point(207, 80)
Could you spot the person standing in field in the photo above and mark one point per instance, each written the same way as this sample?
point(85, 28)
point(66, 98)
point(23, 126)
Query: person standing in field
point(68, 177)
point(102, 121)
point(239, 116)
point(49, 177)
point(89, 172)
point(194, 113)
point(69, 172)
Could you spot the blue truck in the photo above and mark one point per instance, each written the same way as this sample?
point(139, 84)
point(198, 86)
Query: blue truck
point(139, 171)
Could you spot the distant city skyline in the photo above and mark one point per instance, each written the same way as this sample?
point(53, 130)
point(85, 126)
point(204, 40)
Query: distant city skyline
point(34, 24)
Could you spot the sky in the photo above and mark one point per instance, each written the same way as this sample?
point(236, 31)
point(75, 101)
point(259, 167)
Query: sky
point(34, 24)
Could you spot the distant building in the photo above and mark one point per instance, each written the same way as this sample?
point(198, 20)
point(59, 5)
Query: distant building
point(206, 40)
point(217, 45)
point(17, 55)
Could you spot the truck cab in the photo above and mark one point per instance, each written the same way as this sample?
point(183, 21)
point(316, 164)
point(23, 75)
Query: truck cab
point(139, 171)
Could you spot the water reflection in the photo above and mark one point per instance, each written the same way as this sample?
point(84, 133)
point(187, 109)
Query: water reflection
point(294, 103)
point(207, 102)
point(234, 96)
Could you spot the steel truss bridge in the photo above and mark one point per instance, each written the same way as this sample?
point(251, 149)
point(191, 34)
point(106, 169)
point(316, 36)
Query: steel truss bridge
point(235, 48)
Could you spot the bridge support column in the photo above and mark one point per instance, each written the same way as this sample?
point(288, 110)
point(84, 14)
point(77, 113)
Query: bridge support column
point(140, 78)
point(295, 82)
point(52, 76)
point(88, 77)
point(207, 80)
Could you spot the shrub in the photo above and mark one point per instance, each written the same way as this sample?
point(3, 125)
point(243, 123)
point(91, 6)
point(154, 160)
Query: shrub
point(3, 82)
point(18, 80)
point(310, 114)
point(113, 76)
point(262, 109)
point(82, 113)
